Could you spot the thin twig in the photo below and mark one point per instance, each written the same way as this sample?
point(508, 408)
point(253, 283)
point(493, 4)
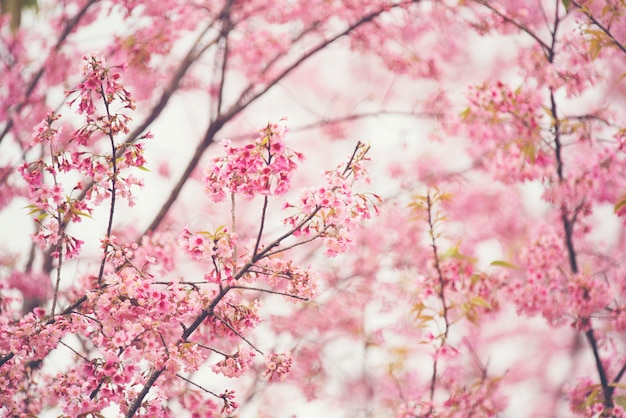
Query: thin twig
point(261, 226)
point(233, 219)
point(600, 25)
point(517, 24)
point(236, 332)
point(273, 292)
point(206, 347)
point(198, 386)
point(107, 243)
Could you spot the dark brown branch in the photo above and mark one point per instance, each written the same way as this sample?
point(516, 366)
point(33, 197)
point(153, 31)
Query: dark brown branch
point(348, 118)
point(237, 108)
point(198, 386)
point(205, 313)
point(192, 56)
point(568, 227)
point(149, 383)
point(210, 310)
point(241, 104)
point(517, 24)
point(227, 27)
point(6, 358)
point(273, 292)
point(600, 26)
point(191, 165)
point(113, 190)
point(619, 375)
point(237, 333)
point(607, 390)
point(69, 27)
point(442, 294)
point(553, 32)
point(261, 226)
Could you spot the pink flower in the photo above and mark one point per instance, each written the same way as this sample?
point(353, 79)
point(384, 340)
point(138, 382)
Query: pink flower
point(262, 168)
point(236, 364)
point(277, 366)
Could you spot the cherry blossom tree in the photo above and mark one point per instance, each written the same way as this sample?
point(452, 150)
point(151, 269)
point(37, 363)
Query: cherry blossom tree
point(260, 208)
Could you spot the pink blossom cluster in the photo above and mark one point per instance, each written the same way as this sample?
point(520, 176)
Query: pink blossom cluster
point(249, 51)
point(54, 208)
point(480, 397)
point(592, 178)
point(262, 168)
point(229, 406)
point(549, 290)
point(196, 404)
point(133, 294)
point(236, 364)
point(285, 276)
point(469, 293)
point(234, 318)
point(207, 246)
point(31, 284)
point(410, 303)
point(226, 279)
point(586, 400)
point(394, 41)
point(97, 167)
point(218, 249)
point(277, 365)
point(102, 82)
point(94, 385)
point(333, 211)
point(118, 253)
point(158, 249)
point(30, 338)
point(610, 15)
point(56, 205)
point(505, 126)
point(571, 69)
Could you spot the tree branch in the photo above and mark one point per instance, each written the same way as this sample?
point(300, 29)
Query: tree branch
point(69, 27)
point(544, 46)
point(600, 26)
point(241, 104)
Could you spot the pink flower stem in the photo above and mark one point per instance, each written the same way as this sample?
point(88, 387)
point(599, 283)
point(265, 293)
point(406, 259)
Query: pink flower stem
point(442, 294)
point(113, 184)
point(59, 249)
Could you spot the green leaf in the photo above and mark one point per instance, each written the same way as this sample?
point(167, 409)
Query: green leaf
point(567, 4)
point(480, 301)
point(592, 397)
point(83, 214)
point(452, 252)
point(142, 168)
point(620, 400)
point(595, 46)
point(33, 209)
point(30, 4)
point(620, 204)
point(529, 152)
point(505, 264)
